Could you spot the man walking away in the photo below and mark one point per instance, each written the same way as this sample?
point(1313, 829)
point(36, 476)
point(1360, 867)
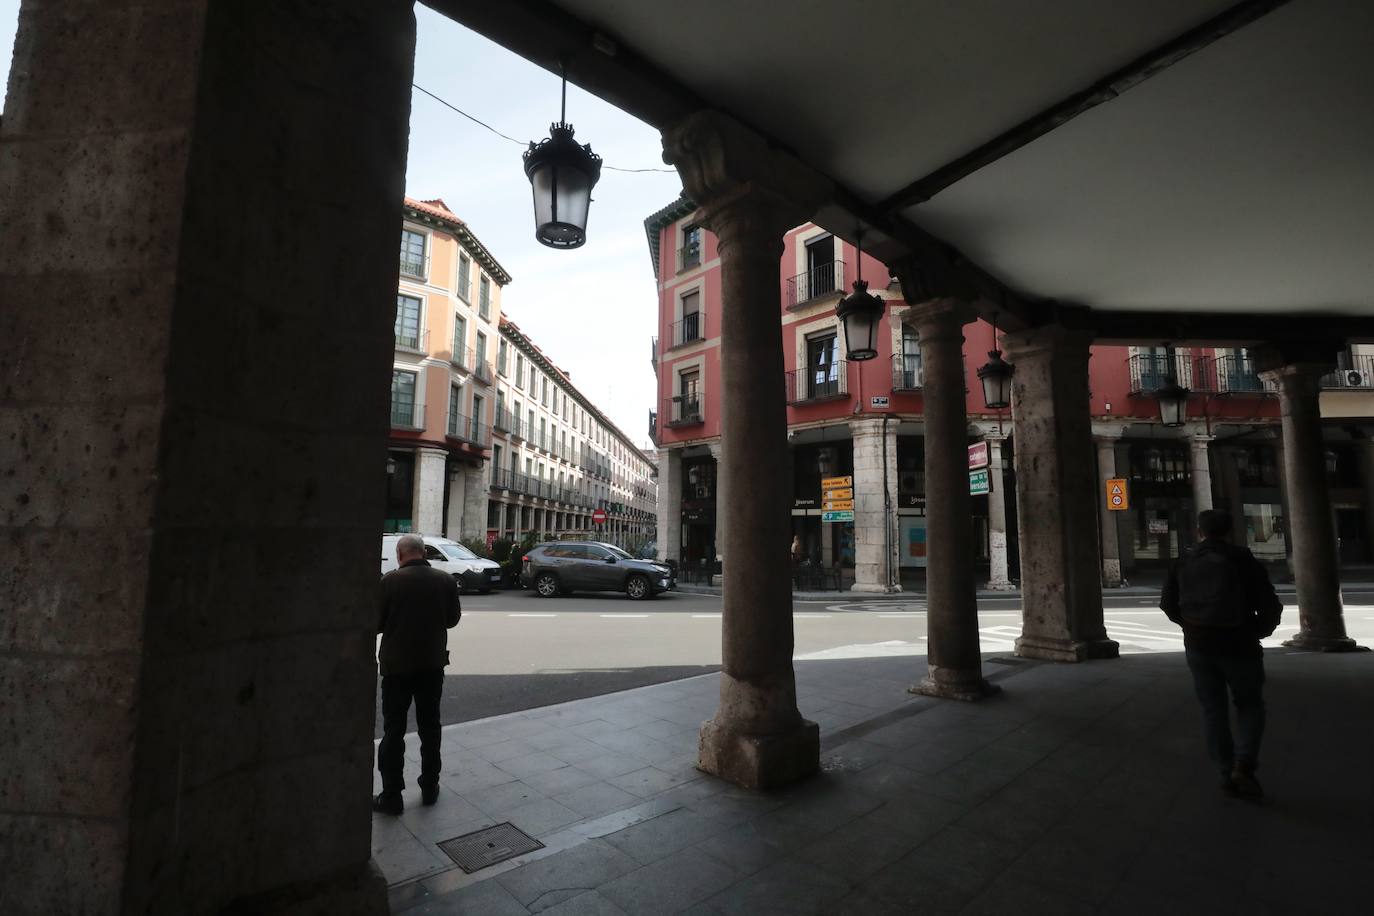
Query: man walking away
point(1221, 596)
point(419, 604)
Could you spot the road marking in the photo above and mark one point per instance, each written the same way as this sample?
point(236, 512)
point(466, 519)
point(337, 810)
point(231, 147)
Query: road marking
point(901, 615)
point(813, 616)
point(706, 616)
point(531, 615)
point(622, 616)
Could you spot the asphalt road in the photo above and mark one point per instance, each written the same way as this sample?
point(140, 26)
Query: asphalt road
point(516, 651)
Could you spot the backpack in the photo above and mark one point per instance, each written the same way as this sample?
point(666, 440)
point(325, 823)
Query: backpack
point(1211, 592)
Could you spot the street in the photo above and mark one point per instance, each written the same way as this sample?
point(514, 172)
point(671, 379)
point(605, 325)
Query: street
point(516, 651)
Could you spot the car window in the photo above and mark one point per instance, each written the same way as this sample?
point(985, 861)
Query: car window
point(617, 552)
point(551, 552)
point(432, 553)
point(457, 552)
point(596, 551)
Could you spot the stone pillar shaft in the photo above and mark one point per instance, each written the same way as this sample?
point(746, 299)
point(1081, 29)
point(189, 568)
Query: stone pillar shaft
point(1316, 563)
point(670, 504)
point(999, 563)
point(749, 196)
point(1056, 495)
point(875, 547)
point(1200, 470)
point(427, 512)
point(955, 665)
point(1110, 539)
point(722, 501)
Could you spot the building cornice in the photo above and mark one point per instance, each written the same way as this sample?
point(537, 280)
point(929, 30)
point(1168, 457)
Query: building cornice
point(428, 214)
point(654, 223)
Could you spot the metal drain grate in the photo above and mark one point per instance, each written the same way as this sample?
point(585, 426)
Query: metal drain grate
point(475, 851)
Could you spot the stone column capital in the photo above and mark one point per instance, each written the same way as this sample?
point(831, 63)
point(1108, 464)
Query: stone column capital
point(1051, 338)
point(1277, 361)
point(868, 426)
point(937, 319)
point(715, 448)
point(743, 186)
point(1109, 433)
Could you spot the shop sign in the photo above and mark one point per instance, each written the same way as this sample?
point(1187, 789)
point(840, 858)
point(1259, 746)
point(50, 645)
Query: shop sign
point(838, 516)
point(878, 401)
point(1118, 496)
point(979, 483)
point(800, 503)
point(838, 505)
point(1159, 526)
point(977, 456)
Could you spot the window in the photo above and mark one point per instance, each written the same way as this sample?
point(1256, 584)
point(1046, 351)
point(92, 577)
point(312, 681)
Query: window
point(484, 296)
point(476, 412)
point(529, 428)
point(501, 353)
point(481, 349)
point(822, 366)
point(519, 371)
point(911, 358)
point(690, 327)
point(690, 255)
point(460, 339)
point(464, 276)
point(821, 274)
point(408, 322)
point(543, 443)
point(412, 253)
point(496, 457)
point(689, 396)
point(544, 393)
point(455, 418)
point(402, 398)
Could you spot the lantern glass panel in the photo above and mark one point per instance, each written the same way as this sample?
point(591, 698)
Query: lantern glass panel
point(996, 390)
point(860, 327)
point(1173, 408)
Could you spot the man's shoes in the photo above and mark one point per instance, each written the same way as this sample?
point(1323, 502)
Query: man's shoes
point(1246, 785)
point(384, 803)
point(429, 794)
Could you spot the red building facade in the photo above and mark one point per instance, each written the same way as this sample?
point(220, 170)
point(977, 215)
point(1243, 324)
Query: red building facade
point(863, 420)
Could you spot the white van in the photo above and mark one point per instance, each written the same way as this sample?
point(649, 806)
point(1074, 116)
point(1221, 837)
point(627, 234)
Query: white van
point(473, 573)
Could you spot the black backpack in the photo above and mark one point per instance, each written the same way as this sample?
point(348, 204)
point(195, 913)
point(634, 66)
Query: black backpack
point(1211, 590)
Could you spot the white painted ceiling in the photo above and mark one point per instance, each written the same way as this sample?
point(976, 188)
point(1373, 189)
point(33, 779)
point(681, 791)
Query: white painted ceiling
point(1241, 179)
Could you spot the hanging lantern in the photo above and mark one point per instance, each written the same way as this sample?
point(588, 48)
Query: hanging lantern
point(562, 174)
point(1173, 402)
point(860, 312)
point(996, 375)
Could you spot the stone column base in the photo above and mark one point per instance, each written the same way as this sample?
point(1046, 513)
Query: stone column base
point(950, 684)
point(875, 589)
point(1004, 585)
point(353, 892)
point(760, 761)
point(1111, 573)
point(1324, 643)
point(1066, 650)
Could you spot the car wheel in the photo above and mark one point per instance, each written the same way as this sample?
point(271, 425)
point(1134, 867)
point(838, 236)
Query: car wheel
point(546, 585)
point(458, 578)
point(637, 587)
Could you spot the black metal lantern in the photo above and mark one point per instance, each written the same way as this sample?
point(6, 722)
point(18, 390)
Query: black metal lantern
point(562, 173)
point(860, 312)
point(1173, 403)
point(996, 375)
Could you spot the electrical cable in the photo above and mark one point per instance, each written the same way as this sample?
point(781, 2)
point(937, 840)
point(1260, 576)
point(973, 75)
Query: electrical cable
point(481, 123)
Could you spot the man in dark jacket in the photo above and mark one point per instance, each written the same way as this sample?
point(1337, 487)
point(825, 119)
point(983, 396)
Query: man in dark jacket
point(1222, 598)
point(419, 605)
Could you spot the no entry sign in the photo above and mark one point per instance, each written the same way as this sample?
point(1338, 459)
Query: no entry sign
point(599, 517)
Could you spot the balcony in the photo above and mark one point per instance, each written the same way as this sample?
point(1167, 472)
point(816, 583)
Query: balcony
point(821, 280)
point(407, 414)
point(1152, 371)
point(683, 410)
point(481, 371)
point(906, 373)
point(415, 268)
point(468, 430)
point(689, 330)
point(462, 357)
point(689, 256)
point(653, 352)
point(818, 383)
point(507, 422)
point(653, 427)
point(412, 341)
point(1355, 373)
point(1229, 374)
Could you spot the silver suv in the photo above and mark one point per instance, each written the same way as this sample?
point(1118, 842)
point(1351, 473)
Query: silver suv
point(565, 566)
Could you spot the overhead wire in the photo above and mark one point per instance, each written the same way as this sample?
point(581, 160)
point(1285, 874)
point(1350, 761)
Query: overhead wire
point(484, 124)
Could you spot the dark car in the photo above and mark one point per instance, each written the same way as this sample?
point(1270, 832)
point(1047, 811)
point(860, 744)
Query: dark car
point(565, 566)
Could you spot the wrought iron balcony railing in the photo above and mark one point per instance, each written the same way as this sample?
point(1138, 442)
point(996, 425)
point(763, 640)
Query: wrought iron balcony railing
point(906, 373)
point(412, 341)
point(690, 329)
point(1355, 372)
point(818, 383)
point(683, 410)
point(689, 256)
point(1152, 371)
point(461, 426)
point(407, 414)
point(820, 280)
point(414, 267)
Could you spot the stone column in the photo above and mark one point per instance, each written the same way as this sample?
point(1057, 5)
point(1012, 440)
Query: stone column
point(670, 504)
point(722, 503)
point(453, 516)
point(1366, 448)
point(875, 537)
point(1110, 539)
point(749, 196)
point(188, 710)
point(1056, 497)
point(999, 566)
point(1200, 470)
point(428, 513)
point(1316, 564)
point(955, 665)
point(476, 485)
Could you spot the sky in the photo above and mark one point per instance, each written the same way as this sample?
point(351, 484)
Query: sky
point(591, 310)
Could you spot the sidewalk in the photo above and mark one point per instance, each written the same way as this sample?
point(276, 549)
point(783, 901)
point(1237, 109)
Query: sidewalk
point(1080, 789)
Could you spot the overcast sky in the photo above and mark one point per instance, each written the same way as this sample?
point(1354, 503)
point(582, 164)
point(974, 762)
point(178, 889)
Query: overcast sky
point(592, 310)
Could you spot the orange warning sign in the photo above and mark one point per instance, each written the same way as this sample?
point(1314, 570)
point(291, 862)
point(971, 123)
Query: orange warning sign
point(1118, 496)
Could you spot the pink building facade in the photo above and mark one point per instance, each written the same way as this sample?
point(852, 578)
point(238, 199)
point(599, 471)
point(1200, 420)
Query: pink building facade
point(863, 420)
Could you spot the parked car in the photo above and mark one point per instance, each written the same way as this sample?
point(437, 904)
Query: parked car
point(474, 574)
point(649, 551)
point(565, 566)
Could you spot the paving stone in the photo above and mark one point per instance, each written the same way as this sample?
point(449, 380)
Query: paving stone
point(505, 797)
point(609, 764)
point(563, 779)
point(790, 886)
point(592, 903)
point(669, 885)
point(597, 798)
point(665, 834)
point(583, 867)
point(533, 762)
point(488, 898)
point(542, 816)
point(858, 849)
point(647, 781)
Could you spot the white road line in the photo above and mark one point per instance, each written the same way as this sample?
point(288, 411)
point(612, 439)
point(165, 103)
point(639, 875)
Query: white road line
point(812, 616)
point(622, 616)
point(531, 615)
point(903, 614)
point(706, 616)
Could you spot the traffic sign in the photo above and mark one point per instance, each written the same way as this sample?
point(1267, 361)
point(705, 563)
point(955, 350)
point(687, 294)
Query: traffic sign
point(836, 505)
point(979, 482)
point(977, 455)
point(1118, 495)
point(599, 517)
point(834, 483)
point(838, 516)
point(846, 493)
